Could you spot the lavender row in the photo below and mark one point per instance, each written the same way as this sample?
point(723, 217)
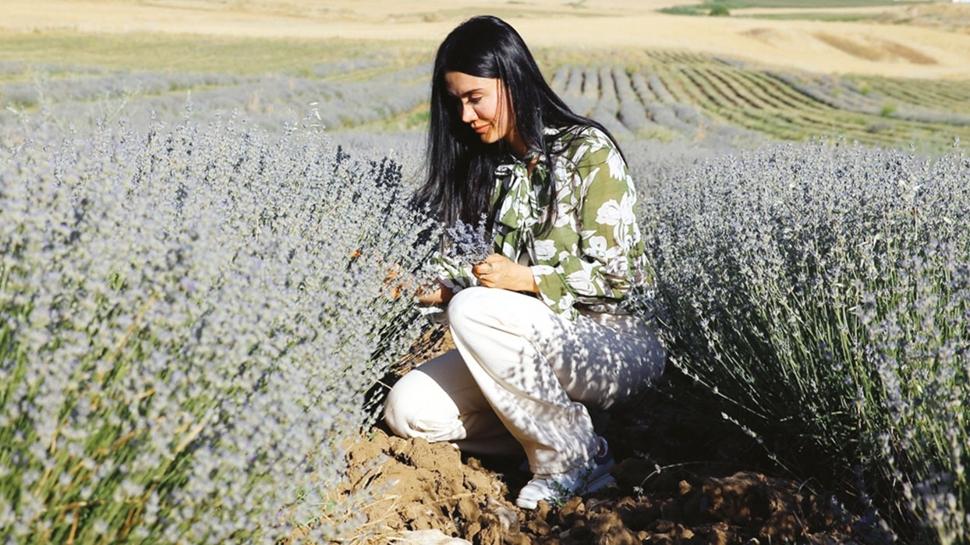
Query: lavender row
point(270, 100)
point(820, 294)
point(844, 95)
point(192, 318)
point(636, 103)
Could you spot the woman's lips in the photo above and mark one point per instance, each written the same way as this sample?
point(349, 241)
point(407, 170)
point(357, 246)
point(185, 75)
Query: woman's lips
point(481, 130)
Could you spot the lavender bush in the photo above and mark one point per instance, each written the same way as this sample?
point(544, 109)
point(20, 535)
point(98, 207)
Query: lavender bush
point(822, 294)
point(190, 318)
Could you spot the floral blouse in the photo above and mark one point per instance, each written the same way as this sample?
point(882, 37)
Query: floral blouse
point(594, 253)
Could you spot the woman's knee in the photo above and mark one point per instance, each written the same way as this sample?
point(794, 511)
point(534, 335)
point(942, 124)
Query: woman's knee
point(478, 306)
point(401, 405)
point(417, 407)
point(466, 305)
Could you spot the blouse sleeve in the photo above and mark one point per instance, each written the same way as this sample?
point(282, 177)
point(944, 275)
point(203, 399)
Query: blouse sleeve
point(608, 237)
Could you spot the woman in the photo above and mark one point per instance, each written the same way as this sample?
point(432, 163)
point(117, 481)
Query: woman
point(539, 326)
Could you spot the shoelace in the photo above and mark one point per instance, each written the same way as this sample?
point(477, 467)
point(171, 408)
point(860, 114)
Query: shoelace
point(602, 450)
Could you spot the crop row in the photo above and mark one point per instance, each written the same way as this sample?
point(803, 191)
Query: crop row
point(637, 103)
point(946, 95)
point(690, 96)
point(335, 101)
point(662, 94)
point(891, 99)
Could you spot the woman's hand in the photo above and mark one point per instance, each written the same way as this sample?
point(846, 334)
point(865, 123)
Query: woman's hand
point(498, 271)
point(438, 296)
point(394, 289)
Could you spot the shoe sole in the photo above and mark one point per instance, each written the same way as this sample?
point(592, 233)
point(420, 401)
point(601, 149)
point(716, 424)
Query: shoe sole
point(599, 483)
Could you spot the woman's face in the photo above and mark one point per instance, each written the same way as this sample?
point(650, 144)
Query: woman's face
point(482, 104)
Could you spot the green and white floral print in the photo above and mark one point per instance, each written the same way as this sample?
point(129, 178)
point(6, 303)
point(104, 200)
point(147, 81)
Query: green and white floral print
point(593, 254)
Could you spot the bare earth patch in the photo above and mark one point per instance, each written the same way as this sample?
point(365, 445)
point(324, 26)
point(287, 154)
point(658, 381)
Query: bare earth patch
point(426, 486)
point(882, 50)
point(430, 486)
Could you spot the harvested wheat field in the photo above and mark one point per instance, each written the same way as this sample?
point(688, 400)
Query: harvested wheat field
point(888, 50)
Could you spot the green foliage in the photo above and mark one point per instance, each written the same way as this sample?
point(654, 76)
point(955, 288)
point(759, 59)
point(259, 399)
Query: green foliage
point(691, 9)
point(719, 10)
point(708, 5)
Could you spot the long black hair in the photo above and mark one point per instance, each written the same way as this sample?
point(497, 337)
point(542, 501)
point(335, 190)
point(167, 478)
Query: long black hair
point(460, 167)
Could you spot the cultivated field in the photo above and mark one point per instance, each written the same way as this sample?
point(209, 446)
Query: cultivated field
point(661, 94)
point(201, 203)
point(862, 48)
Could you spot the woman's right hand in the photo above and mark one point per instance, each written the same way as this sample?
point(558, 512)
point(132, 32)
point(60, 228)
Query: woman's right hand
point(437, 296)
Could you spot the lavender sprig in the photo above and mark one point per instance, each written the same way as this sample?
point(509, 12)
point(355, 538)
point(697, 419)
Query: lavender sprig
point(468, 244)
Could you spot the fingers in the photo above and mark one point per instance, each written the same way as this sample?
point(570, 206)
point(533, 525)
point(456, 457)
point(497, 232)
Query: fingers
point(492, 264)
point(393, 272)
point(482, 269)
point(487, 280)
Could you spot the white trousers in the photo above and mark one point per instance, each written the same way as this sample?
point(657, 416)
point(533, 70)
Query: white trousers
point(521, 378)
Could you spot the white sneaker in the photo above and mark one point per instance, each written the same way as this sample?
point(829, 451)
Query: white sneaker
point(587, 478)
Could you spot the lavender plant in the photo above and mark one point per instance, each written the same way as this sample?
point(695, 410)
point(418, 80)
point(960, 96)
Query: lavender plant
point(822, 295)
point(190, 318)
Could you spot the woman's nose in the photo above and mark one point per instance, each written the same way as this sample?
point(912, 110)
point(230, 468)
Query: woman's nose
point(468, 113)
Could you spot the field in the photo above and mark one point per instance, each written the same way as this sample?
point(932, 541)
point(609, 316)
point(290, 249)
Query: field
point(202, 203)
point(651, 93)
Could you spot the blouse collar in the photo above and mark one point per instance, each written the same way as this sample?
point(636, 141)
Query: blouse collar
point(518, 205)
point(510, 161)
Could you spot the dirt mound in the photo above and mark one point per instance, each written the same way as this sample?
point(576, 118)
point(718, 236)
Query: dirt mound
point(422, 486)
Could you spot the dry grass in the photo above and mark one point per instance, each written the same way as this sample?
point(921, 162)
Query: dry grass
point(878, 51)
point(952, 17)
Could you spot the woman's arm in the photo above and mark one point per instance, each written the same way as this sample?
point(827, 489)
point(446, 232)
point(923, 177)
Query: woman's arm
point(607, 238)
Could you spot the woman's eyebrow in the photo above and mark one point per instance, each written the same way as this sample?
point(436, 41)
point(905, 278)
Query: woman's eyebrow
point(466, 93)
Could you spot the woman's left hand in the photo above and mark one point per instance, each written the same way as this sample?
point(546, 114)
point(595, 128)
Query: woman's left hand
point(498, 271)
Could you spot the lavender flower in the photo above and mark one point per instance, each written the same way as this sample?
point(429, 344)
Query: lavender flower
point(468, 244)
